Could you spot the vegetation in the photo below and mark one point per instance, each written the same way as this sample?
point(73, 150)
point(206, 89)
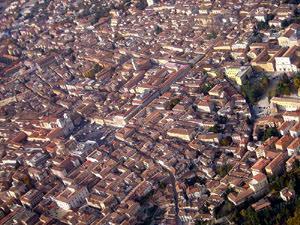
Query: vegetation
point(212, 35)
point(222, 119)
point(295, 220)
point(262, 25)
point(291, 2)
point(284, 213)
point(286, 86)
point(158, 30)
point(205, 88)
point(223, 170)
point(296, 81)
point(141, 5)
point(295, 19)
point(254, 90)
point(92, 72)
point(215, 129)
point(267, 133)
point(172, 103)
point(226, 141)
point(192, 181)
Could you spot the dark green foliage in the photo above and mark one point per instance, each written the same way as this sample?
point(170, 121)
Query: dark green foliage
point(290, 179)
point(295, 220)
point(249, 121)
point(215, 129)
point(92, 72)
point(222, 119)
point(285, 23)
point(291, 2)
point(285, 86)
point(172, 103)
point(296, 81)
point(252, 91)
point(285, 213)
point(205, 88)
point(162, 185)
point(267, 133)
point(212, 35)
point(250, 217)
point(226, 141)
point(262, 25)
point(194, 180)
point(271, 132)
point(270, 17)
point(141, 5)
point(158, 29)
point(223, 170)
point(225, 209)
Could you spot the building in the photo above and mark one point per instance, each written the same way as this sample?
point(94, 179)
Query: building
point(286, 103)
point(276, 166)
point(291, 116)
point(31, 198)
point(283, 142)
point(294, 147)
point(288, 61)
point(205, 106)
point(291, 36)
point(72, 197)
point(287, 194)
point(239, 74)
point(259, 166)
point(295, 130)
point(259, 183)
point(184, 134)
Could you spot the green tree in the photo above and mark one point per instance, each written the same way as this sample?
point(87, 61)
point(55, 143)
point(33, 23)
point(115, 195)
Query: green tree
point(295, 220)
point(296, 81)
point(285, 23)
point(226, 141)
point(214, 129)
point(172, 103)
point(212, 35)
point(271, 132)
point(205, 88)
point(250, 217)
point(223, 170)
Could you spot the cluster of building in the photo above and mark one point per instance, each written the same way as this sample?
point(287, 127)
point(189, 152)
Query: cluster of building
point(110, 114)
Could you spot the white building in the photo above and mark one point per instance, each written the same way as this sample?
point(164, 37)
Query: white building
point(288, 61)
point(72, 197)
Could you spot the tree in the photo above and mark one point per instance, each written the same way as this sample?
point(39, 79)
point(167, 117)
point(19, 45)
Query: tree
point(214, 129)
point(261, 25)
point(253, 90)
point(223, 170)
point(212, 35)
point(296, 81)
point(267, 133)
point(295, 220)
point(270, 17)
point(141, 5)
point(222, 119)
point(285, 23)
point(172, 103)
point(205, 88)
point(284, 87)
point(296, 2)
point(250, 217)
point(226, 141)
point(157, 29)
